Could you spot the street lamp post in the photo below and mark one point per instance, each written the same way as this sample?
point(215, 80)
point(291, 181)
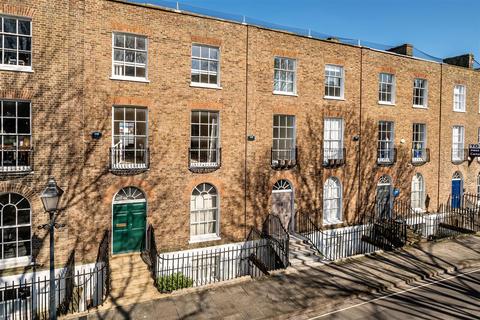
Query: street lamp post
point(50, 199)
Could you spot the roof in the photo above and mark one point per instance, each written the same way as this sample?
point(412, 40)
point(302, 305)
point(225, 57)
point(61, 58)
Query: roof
point(241, 19)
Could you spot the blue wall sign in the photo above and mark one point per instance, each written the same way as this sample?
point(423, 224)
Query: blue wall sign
point(396, 192)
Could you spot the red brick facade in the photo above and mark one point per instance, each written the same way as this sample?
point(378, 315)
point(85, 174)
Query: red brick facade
point(72, 96)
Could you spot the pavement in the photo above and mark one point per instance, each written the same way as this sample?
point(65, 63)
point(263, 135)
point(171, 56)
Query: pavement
point(306, 291)
point(455, 296)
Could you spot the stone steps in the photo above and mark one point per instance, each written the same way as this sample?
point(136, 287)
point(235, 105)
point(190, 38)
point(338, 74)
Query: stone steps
point(300, 252)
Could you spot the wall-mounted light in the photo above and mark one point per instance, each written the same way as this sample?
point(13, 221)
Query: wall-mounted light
point(96, 135)
point(356, 137)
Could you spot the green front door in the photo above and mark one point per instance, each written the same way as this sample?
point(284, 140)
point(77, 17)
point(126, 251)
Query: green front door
point(129, 223)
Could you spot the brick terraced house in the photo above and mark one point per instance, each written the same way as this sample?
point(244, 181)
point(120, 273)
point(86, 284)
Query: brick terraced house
point(201, 127)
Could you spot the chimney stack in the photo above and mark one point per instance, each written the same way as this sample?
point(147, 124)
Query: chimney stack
point(405, 49)
point(465, 60)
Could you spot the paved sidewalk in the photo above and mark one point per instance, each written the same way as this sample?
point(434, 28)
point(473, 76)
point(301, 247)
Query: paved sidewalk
point(296, 292)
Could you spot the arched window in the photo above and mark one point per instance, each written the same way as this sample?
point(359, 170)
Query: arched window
point(332, 201)
point(16, 226)
point(282, 185)
point(418, 192)
point(457, 176)
point(204, 212)
point(129, 194)
point(385, 180)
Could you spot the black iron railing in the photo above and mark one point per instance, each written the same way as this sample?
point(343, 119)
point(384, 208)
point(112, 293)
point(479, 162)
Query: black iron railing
point(334, 157)
point(16, 161)
point(204, 160)
point(420, 156)
point(75, 292)
point(459, 155)
point(150, 253)
point(386, 156)
point(123, 159)
point(272, 228)
point(283, 159)
point(306, 227)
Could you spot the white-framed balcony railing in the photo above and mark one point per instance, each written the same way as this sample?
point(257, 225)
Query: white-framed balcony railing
point(16, 160)
point(386, 156)
point(333, 157)
point(207, 159)
point(284, 158)
point(420, 156)
point(129, 159)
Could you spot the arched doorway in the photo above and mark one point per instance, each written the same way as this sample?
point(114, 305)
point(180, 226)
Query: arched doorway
point(384, 197)
point(129, 217)
point(457, 189)
point(282, 203)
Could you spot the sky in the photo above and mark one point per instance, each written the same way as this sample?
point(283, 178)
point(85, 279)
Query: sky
point(442, 28)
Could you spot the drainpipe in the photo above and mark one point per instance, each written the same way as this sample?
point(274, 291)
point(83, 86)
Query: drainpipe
point(440, 135)
point(246, 140)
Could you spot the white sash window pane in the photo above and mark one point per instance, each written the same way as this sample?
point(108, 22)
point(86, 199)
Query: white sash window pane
point(333, 139)
point(284, 75)
point(283, 147)
point(205, 67)
point(203, 211)
point(130, 56)
point(332, 201)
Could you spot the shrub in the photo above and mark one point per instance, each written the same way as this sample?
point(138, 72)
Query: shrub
point(173, 282)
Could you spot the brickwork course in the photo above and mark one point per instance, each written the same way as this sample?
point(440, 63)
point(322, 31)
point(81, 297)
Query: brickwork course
point(72, 96)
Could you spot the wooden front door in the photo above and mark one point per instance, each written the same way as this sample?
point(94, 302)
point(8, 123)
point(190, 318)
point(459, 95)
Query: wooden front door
point(282, 207)
point(129, 226)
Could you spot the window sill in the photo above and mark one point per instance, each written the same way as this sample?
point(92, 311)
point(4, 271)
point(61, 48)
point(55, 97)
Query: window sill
point(334, 98)
point(383, 103)
point(205, 86)
point(332, 222)
point(15, 262)
point(133, 79)
point(420, 107)
point(460, 111)
point(204, 238)
point(6, 67)
point(281, 93)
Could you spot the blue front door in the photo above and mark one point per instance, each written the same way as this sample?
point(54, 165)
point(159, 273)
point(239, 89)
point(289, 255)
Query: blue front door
point(456, 193)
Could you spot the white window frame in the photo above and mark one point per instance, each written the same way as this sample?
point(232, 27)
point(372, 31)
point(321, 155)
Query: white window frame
point(458, 145)
point(335, 72)
point(330, 153)
point(383, 141)
point(18, 260)
point(460, 98)
point(194, 238)
point(418, 193)
point(212, 138)
point(16, 67)
point(119, 149)
point(17, 135)
point(383, 84)
point(283, 153)
point(129, 64)
point(420, 89)
point(419, 144)
point(338, 199)
point(208, 72)
point(285, 71)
